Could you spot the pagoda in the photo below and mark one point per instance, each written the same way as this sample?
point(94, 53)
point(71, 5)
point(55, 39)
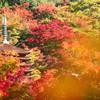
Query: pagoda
point(6, 46)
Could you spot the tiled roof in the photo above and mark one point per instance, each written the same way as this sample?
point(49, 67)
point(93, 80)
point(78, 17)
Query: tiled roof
point(9, 47)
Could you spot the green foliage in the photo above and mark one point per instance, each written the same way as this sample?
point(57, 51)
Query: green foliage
point(90, 7)
point(6, 3)
point(3, 3)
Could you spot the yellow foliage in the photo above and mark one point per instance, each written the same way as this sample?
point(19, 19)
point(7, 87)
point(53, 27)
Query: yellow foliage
point(8, 61)
point(81, 56)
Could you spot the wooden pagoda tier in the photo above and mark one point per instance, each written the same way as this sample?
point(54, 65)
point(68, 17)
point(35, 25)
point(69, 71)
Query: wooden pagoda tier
point(21, 52)
point(21, 55)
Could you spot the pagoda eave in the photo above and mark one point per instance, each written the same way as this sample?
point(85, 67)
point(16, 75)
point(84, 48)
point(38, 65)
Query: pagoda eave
point(24, 58)
point(9, 47)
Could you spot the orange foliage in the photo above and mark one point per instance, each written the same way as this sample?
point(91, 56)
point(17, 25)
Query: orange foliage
point(20, 17)
point(79, 55)
point(46, 8)
point(8, 61)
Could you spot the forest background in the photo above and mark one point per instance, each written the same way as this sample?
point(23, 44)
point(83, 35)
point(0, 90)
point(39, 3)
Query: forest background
point(65, 38)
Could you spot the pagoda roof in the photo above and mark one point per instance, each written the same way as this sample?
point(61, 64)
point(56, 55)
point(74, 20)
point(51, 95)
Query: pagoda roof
point(9, 47)
point(25, 58)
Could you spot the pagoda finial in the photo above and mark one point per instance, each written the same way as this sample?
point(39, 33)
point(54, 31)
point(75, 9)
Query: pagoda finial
point(4, 29)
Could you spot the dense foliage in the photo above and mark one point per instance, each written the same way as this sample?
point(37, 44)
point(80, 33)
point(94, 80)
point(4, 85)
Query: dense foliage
point(66, 51)
point(90, 7)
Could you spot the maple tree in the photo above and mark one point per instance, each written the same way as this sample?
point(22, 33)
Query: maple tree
point(65, 54)
point(48, 36)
